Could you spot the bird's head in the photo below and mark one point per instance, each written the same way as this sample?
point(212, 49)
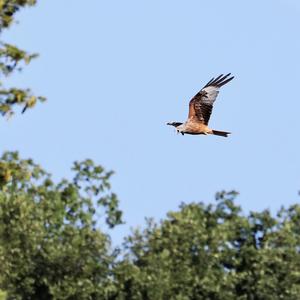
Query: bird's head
point(177, 125)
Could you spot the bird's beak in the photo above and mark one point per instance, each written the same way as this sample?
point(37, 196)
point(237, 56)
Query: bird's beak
point(169, 123)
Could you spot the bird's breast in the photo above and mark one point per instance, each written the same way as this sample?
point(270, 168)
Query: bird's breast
point(195, 128)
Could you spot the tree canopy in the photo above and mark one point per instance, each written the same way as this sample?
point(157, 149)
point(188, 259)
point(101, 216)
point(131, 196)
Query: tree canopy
point(214, 252)
point(50, 242)
point(13, 59)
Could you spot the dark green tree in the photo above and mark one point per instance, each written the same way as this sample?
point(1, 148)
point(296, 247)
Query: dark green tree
point(13, 59)
point(213, 252)
point(51, 246)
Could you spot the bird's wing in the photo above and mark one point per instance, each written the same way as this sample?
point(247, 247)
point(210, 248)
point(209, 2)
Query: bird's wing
point(201, 104)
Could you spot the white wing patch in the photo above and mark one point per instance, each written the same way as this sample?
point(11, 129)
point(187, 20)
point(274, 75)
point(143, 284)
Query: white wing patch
point(211, 95)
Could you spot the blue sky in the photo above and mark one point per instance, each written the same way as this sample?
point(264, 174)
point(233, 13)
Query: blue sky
point(115, 72)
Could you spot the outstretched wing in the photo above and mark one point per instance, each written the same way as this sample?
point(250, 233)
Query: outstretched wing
point(201, 104)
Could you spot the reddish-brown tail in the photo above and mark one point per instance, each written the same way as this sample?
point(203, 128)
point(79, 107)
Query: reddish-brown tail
point(220, 133)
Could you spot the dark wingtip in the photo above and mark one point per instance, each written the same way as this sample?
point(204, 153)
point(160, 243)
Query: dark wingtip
point(219, 81)
point(223, 80)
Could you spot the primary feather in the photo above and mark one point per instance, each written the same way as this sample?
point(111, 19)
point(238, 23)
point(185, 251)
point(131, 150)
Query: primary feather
point(201, 104)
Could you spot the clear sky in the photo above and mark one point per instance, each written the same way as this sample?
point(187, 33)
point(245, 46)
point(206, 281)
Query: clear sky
point(115, 72)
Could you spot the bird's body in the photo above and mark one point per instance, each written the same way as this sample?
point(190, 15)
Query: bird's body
point(192, 127)
point(200, 108)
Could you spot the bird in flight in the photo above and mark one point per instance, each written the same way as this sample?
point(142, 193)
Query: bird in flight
point(200, 108)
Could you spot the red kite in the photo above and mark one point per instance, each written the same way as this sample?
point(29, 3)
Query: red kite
point(200, 108)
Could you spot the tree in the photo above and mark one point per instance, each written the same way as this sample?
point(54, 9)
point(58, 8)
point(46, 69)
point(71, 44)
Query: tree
point(213, 252)
point(51, 246)
point(11, 59)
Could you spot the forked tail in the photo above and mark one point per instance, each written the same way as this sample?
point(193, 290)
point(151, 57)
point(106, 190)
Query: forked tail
point(220, 133)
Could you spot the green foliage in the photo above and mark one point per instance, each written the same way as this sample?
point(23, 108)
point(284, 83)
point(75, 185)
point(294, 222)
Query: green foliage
point(50, 244)
point(213, 252)
point(2, 295)
point(9, 7)
point(12, 59)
